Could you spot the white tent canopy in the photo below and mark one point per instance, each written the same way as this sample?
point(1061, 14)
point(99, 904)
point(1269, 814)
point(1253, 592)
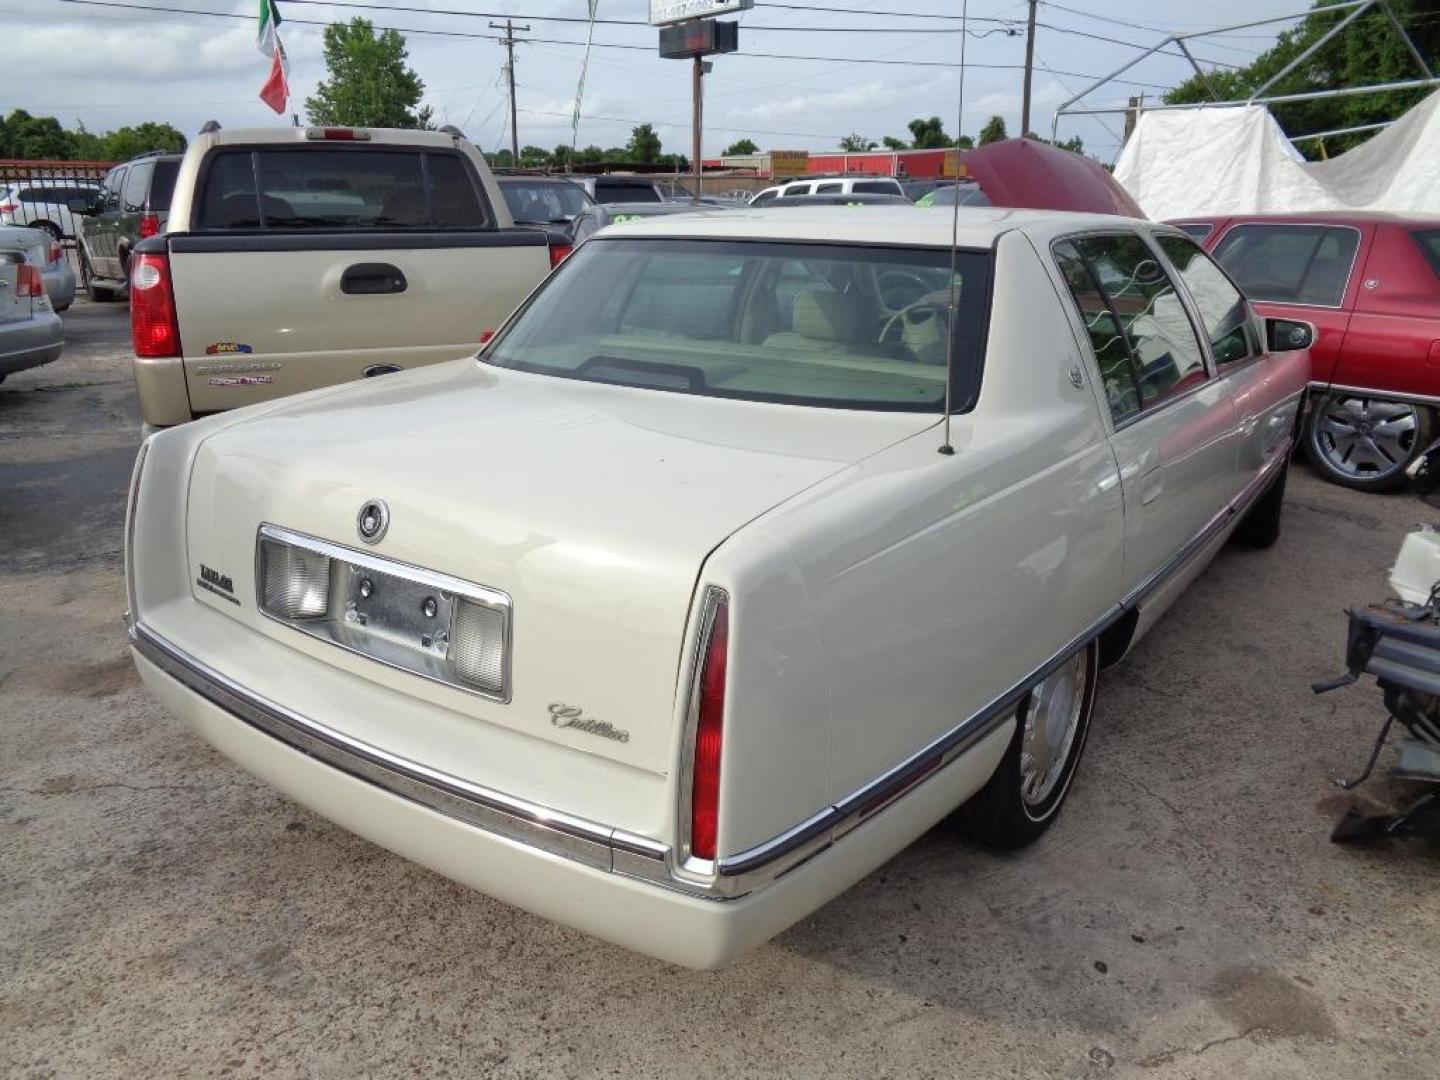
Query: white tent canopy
point(1235, 160)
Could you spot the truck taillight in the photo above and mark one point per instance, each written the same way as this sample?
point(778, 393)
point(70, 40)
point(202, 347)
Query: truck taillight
point(8, 208)
point(709, 724)
point(29, 281)
point(153, 325)
point(56, 252)
point(149, 225)
point(558, 254)
point(337, 134)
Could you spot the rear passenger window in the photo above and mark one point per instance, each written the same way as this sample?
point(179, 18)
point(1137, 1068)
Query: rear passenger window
point(136, 182)
point(1223, 310)
point(1143, 339)
point(876, 187)
point(162, 186)
point(830, 189)
point(1429, 241)
point(338, 190)
point(1290, 264)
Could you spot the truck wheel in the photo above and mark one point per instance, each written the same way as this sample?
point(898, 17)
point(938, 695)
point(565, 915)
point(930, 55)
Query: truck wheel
point(1365, 443)
point(1024, 796)
point(1260, 527)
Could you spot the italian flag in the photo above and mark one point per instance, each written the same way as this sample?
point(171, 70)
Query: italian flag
point(276, 90)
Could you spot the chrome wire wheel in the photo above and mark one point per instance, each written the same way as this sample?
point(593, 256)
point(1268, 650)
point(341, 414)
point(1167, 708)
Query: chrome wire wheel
point(1366, 439)
point(1052, 719)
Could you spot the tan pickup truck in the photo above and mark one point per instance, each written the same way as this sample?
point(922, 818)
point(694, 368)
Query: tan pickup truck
point(297, 258)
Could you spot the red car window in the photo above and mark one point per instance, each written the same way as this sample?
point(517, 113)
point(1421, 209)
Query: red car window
point(1290, 264)
point(1429, 241)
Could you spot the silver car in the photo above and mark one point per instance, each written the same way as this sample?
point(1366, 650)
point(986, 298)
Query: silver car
point(42, 250)
point(30, 333)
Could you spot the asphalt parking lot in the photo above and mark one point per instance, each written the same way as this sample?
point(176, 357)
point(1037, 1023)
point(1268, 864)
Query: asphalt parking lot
point(164, 914)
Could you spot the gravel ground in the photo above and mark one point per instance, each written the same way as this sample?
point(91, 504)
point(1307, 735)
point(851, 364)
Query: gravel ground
point(164, 914)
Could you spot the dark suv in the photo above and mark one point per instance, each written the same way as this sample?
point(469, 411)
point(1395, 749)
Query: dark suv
point(133, 203)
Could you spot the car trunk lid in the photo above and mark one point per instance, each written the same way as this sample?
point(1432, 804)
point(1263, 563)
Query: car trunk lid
point(592, 507)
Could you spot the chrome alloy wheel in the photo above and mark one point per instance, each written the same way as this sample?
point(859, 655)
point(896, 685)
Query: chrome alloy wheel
point(1366, 438)
point(1052, 718)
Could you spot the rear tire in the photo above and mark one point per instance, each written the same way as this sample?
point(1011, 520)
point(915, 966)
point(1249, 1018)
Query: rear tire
point(1366, 443)
point(1260, 527)
point(1023, 798)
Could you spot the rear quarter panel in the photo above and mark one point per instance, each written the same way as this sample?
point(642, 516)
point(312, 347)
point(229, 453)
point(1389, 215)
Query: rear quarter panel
point(935, 582)
point(1393, 341)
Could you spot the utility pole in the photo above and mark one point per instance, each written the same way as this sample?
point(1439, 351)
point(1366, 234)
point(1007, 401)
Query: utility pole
point(1029, 70)
point(697, 90)
point(509, 42)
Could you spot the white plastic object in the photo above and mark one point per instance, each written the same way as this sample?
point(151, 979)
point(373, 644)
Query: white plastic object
point(1417, 568)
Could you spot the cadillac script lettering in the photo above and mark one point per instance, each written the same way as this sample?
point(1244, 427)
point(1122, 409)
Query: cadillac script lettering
point(572, 716)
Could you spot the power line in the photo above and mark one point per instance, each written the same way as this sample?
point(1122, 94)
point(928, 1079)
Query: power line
point(686, 124)
point(471, 35)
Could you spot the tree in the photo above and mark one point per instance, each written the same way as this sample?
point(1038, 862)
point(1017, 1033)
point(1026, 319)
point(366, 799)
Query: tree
point(127, 142)
point(993, 131)
point(534, 157)
point(1368, 51)
point(929, 134)
point(35, 138)
point(743, 146)
point(369, 83)
point(856, 144)
point(892, 143)
point(644, 145)
point(965, 142)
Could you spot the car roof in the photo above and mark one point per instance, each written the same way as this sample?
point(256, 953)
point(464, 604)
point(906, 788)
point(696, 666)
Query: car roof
point(277, 134)
point(651, 208)
point(975, 227)
point(1318, 217)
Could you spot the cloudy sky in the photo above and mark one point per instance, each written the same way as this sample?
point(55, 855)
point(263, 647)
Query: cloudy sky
point(826, 70)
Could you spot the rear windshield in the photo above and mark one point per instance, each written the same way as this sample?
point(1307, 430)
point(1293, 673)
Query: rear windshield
point(162, 184)
point(548, 203)
point(326, 188)
point(1196, 230)
point(809, 324)
point(1429, 241)
point(612, 192)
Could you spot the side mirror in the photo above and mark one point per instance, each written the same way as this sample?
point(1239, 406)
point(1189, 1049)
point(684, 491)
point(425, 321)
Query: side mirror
point(82, 206)
point(1288, 335)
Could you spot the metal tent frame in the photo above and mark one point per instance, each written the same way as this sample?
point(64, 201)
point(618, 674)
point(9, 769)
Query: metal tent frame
point(1357, 8)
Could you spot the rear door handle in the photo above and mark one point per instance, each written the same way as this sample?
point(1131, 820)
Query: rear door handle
point(372, 279)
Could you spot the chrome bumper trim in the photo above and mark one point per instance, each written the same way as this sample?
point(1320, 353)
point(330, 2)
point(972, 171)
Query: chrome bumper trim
point(613, 850)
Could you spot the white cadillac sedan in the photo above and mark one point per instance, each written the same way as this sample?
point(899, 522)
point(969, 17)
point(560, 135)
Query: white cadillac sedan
point(686, 604)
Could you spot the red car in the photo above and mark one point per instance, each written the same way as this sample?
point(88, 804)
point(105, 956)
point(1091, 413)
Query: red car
point(1371, 285)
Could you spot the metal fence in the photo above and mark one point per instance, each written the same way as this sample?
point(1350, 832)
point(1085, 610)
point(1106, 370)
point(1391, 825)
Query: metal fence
point(37, 194)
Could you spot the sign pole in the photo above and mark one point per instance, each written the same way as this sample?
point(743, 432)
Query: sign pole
point(697, 90)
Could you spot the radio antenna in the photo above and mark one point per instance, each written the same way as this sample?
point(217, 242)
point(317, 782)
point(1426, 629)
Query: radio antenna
point(953, 312)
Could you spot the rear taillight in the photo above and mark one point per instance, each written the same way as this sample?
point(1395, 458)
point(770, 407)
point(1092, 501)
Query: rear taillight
point(153, 325)
point(56, 252)
point(558, 253)
point(149, 225)
point(29, 281)
point(8, 208)
point(709, 718)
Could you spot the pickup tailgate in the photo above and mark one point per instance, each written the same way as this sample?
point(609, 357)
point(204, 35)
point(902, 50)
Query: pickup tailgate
point(263, 316)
